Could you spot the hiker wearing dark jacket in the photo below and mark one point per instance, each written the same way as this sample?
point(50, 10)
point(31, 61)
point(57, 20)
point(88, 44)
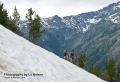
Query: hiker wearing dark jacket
point(66, 55)
point(73, 57)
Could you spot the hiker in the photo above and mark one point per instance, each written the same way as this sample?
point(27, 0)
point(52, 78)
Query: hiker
point(66, 55)
point(73, 57)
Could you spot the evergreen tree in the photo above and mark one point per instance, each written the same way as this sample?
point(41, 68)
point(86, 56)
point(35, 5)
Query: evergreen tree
point(36, 27)
point(34, 24)
point(104, 76)
point(110, 68)
point(3, 16)
point(7, 21)
point(95, 70)
point(118, 73)
point(13, 27)
point(16, 16)
point(29, 16)
point(82, 60)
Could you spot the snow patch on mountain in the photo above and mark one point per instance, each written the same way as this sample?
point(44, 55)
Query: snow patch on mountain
point(85, 29)
point(94, 21)
point(115, 18)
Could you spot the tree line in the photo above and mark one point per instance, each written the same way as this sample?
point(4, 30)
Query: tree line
point(12, 22)
point(111, 72)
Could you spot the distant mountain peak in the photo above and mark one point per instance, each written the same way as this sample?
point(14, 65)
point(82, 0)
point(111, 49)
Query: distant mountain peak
point(55, 16)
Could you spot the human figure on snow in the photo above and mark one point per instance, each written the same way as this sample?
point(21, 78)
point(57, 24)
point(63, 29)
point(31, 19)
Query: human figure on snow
point(73, 57)
point(66, 55)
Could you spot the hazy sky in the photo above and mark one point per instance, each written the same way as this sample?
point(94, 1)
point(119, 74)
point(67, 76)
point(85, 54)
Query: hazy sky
point(48, 8)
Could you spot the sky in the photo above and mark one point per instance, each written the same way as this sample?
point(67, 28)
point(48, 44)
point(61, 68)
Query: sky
point(48, 8)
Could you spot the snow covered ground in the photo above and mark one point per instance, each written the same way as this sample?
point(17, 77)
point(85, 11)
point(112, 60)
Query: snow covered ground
point(19, 56)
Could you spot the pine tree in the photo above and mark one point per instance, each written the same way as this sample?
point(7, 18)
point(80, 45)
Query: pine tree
point(13, 27)
point(3, 16)
point(29, 15)
point(34, 25)
point(95, 70)
point(7, 21)
point(118, 73)
point(16, 16)
point(110, 68)
point(29, 22)
point(82, 60)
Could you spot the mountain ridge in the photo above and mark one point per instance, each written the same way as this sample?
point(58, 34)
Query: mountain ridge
point(80, 32)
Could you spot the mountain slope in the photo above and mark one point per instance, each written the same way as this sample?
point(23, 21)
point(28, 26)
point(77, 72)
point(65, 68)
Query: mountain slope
point(100, 42)
point(18, 55)
point(94, 33)
point(63, 30)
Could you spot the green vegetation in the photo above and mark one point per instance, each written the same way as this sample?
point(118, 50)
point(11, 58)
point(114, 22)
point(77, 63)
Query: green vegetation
point(110, 69)
point(7, 21)
point(111, 72)
point(95, 70)
point(82, 60)
point(16, 16)
point(12, 23)
point(34, 24)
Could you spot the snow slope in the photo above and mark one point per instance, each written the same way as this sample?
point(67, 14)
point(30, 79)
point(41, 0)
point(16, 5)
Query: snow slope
point(19, 56)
